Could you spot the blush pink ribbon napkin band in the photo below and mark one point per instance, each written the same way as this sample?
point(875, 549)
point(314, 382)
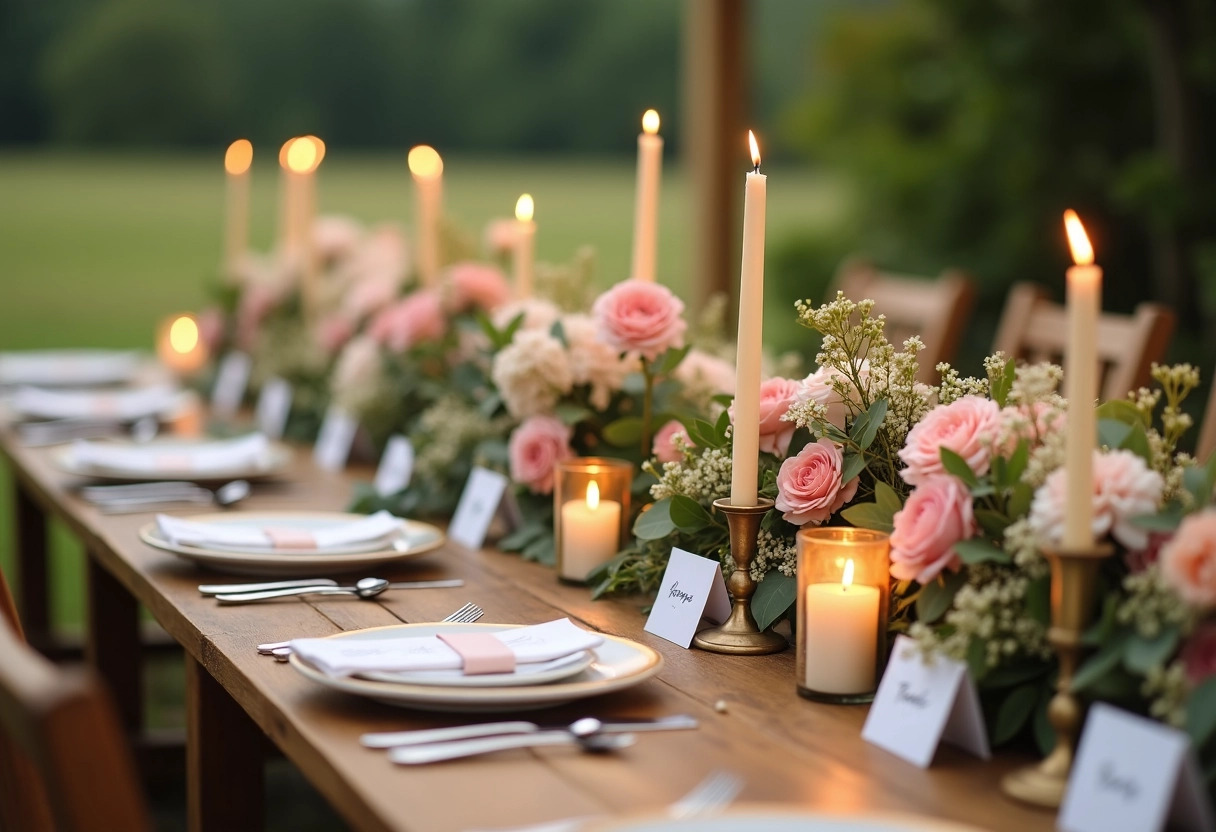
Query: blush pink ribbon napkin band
point(481, 652)
point(290, 538)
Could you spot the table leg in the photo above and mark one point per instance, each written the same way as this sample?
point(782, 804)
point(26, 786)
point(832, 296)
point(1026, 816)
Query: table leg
point(33, 587)
point(113, 644)
point(224, 757)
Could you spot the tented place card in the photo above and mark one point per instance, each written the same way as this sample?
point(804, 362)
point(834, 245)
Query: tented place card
point(396, 466)
point(1133, 775)
point(230, 382)
point(333, 442)
point(692, 589)
point(919, 706)
point(477, 507)
point(274, 406)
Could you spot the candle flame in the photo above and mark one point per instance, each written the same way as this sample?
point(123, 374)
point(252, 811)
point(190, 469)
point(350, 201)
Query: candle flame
point(593, 495)
point(424, 161)
point(238, 156)
point(1078, 240)
point(183, 334)
point(650, 122)
point(284, 150)
point(319, 146)
point(524, 208)
point(846, 580)
point(303, 155)
point(751, 140)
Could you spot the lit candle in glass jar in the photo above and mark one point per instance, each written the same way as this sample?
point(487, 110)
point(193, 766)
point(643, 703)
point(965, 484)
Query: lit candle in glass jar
point(841, 635)
point(591, 530)
point(179, 346)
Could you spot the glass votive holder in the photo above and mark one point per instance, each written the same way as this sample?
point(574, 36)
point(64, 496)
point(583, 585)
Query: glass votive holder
point(590, 513)
point(843, 594)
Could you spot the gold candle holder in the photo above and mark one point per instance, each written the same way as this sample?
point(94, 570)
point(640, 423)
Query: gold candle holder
point(739, 635)
point(1074, 584)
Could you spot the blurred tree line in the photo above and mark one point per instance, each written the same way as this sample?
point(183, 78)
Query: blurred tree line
point(969, 126)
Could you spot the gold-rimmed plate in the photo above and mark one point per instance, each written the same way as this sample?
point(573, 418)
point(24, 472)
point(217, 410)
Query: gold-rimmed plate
point(274, 460)
point(770, 818)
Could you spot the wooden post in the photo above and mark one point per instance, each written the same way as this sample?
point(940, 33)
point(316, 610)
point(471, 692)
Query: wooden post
point(714, 140)
point(113, 647)
point(33, 587)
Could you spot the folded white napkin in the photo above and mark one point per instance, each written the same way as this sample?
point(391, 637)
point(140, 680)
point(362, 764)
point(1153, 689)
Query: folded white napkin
point(193, 533)
point(346, 656)
point(67, 366)
point(121, 406)
point(221, 455)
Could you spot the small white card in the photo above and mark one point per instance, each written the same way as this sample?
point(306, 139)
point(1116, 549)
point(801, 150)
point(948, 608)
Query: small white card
point(333, 442)
point(230, 382)
point(477, 507)
point(692, 589)
point(918, 706)
point(274, 406)
point(396, 466)
point(1133, 775)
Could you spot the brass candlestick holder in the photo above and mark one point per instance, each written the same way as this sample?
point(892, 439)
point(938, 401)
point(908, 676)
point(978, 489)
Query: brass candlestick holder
point(739, 635)
point(1074, 584)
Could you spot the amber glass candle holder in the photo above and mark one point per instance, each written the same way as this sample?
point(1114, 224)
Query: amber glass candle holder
point(844, 592)
point(590, 513)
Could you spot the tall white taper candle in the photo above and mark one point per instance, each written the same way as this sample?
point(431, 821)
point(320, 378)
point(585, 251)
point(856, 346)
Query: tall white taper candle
point(646, 206)
point(1081, 385)
point(426, 166)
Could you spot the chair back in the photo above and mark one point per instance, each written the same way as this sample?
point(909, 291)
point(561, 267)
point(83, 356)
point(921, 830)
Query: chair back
point(1035, 328)
point(64, 764)
point(1207, 430)
point(936, 309)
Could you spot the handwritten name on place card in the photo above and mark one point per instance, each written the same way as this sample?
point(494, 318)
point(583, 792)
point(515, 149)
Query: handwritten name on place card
point(692, 589)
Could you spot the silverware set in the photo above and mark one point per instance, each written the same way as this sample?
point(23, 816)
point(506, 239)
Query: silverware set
point(59, 431)
point(138, 497)
point(364, 588)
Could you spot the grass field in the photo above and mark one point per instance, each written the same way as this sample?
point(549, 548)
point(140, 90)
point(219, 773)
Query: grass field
point(95, 249)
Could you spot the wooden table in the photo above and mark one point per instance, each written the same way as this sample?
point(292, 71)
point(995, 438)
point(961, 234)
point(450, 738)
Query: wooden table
point(787, 748)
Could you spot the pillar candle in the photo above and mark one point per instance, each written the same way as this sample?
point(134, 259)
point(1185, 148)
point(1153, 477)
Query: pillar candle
point(590, 533)
point(746, 454)
point(1081, 385)
point(841, 636)
point(237, 161)
point(426, 167)
point(525, 234)
point(179, 346)
point(646, 206)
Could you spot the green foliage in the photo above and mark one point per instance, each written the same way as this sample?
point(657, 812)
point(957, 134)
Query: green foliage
point(773, 598)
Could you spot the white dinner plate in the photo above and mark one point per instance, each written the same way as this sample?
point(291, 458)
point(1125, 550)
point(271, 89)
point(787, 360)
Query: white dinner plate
point(414, 539)
point(618, 664)
point(68, 368)
point(276, 460)
point(768, 818)
point(535, 673)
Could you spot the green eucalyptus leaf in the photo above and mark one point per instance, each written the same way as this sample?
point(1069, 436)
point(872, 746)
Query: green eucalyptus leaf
point(1013, 713)
point(1195, 480)
point(720, 428)
point(866, 426)
point(1108, 657)
point(774, 595)
point(669, 360)
point(1020, 497)
point(1121, 410)
point(570, 413)
point(854, 464)
point(936, 596)
point(1137, 443)
point(624, 432)
point(869, 516)
point(1166, 520)
point(956, 465)
point(886, 497)
point(1144, 654)
point(1017, 462)
point(521, 537)
point(655, 523)
point(978, 550)
point(1112, 433)
point(688, 515)
point(1201, 712)
point(992, 522)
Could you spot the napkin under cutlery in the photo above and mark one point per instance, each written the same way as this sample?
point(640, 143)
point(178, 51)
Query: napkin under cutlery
point(121, 406)
point(220, 455)
point(378, 526)
point(346, 657)
point(67, 366)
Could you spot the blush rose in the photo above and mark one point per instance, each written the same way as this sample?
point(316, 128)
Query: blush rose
point(937, 515)
point(809, 485)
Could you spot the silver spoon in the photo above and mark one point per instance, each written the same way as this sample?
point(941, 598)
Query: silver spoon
point(364, 588)
point(587, 733)
point(226, 496)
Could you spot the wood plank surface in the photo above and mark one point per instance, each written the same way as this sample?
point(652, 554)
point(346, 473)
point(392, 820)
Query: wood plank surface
point(787, 748)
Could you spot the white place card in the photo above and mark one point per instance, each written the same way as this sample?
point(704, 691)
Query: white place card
point(1133, 775)
point(230, 382)
point(333, 442)
point(396, 466)
point(920, 705)
point(692, 589)
point(274, 406)
point(477, 507)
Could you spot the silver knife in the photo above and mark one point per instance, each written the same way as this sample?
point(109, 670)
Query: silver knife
point(218, 589)
point(397, 739)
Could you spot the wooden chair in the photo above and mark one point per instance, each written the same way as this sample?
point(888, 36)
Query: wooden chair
point(63, 761)
point(1207, 429)
point(1035, 328)
point(934, 309)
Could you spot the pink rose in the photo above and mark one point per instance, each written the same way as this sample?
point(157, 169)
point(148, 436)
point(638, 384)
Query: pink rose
point(818, 387)
point(937, 515)
point(776, 396)
point(664, 447)
point(636, 315)
point(968, 426)
point(414, 319)
point(333, 332)
point(1124, 488)
point(1199, 654)
point(1188, 562)
point(477, 286)
point(809, 487)
point(535, 448)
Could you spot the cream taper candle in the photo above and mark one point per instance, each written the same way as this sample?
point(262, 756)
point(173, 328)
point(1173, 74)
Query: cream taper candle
point(237, 160)
point(646, 205)
point(426, 166)
point(746, 454)
point(1081, 385)
point(525, 235)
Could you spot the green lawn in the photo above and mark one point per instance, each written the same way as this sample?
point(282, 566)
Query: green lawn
point(95, 249)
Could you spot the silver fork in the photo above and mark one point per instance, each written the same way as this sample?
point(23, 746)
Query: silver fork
point(281, 650)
